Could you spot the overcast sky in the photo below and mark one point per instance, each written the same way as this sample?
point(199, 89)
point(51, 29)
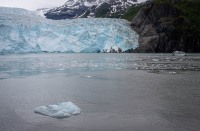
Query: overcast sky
point(33, 4)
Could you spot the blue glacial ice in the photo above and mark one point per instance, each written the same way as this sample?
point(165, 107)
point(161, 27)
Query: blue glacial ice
point(60, 110)
point(24, 31)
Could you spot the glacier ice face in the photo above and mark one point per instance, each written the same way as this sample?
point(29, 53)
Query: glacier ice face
point(24, 31)
point(60, 110)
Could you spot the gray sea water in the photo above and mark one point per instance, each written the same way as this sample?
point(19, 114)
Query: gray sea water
point(116, 92)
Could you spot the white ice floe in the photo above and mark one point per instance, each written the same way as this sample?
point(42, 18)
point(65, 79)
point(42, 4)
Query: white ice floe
point(88, 76)
point(172, 72)
point(155, 59)
point(60, 110)
point(179, 53)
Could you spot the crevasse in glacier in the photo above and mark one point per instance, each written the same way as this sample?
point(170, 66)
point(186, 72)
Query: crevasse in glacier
point(23, 31)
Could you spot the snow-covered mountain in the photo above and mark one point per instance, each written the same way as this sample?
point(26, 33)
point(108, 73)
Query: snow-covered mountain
point(25, 31)
point(88, 8)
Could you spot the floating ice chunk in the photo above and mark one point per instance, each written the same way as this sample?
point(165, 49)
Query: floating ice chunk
point(154, 71)
point(155, 60)
point(88, 76)
point(179, 53)
point(60, 110)
point(172, 72)
point(180, 60)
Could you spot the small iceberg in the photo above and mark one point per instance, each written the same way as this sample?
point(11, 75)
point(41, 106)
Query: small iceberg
point(60, 110)
point(88, 76)
point(179, 53)
point(155, 60)
point(173, 72)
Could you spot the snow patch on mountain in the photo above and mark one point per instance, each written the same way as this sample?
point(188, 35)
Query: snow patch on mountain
point(77, 8)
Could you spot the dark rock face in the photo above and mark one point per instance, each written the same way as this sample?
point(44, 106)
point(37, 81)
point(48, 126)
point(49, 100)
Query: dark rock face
point(158, 27)
point(102, 10)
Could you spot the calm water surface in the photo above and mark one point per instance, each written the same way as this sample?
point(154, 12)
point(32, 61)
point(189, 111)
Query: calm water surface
point(116, 92)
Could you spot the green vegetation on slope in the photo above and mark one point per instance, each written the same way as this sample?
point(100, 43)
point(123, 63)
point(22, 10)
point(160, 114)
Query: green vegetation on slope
point(175, 23)
point(190, 13)
point(132, 12)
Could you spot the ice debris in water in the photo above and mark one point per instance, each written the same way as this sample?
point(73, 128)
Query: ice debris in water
point(155, 60)
point(88, 76)
point(60, 110)
point(172, 72)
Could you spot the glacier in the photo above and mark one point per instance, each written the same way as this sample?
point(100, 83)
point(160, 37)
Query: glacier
point(60, 110)
point(23, 31)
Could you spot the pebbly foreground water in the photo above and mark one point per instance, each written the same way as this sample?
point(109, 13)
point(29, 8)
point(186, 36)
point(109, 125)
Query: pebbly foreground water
point(114, 91)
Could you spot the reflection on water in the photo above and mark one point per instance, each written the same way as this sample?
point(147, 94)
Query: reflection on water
point(33, 64)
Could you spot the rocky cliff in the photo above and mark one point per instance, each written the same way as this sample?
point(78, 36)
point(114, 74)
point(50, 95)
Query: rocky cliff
point(168, 25)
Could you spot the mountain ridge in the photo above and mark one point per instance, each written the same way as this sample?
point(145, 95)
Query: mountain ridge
point(88, 8)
